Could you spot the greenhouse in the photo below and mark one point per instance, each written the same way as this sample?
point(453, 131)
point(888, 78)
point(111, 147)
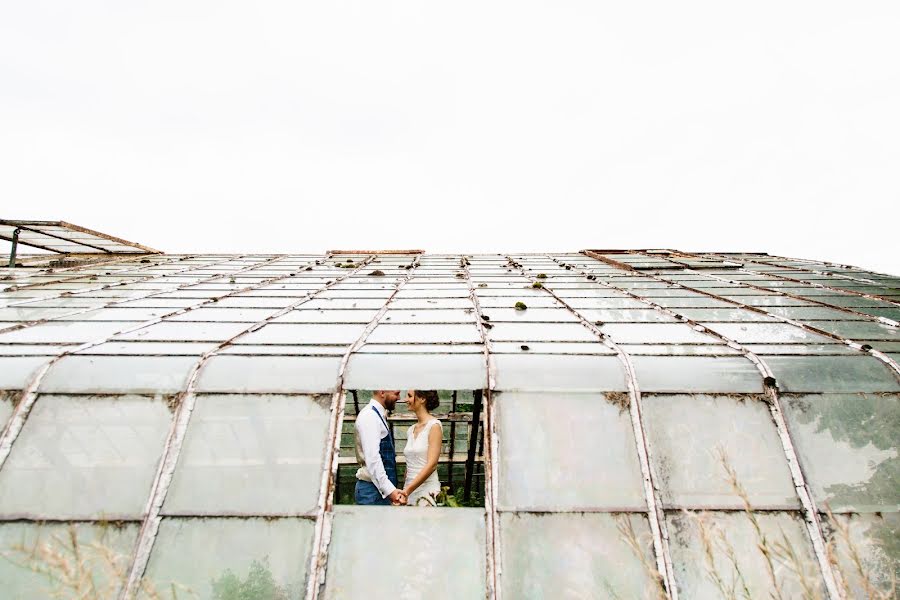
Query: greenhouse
point(617, 423)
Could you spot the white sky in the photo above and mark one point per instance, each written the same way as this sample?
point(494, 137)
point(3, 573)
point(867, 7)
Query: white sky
point(458, 126)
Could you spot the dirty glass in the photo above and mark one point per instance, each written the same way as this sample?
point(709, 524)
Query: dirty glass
point(225, 315)
point(868, 541)
point(226, 558)
point(592, 347)
point(84, 457)
point(717, 546)
point(698, 374)
point(195, 349)
point(588, 457)
point(444, 333)
point(184, 331)
point(6, 407)
point(696, 437)
point(576, 555)
point(861, 330)
point(551, 315)
point(30, 565)
point(254, 454)
point(269, 374)
point(422, 348)
point(848, 448)
point(302, 315)
point(547, 372)
point(304, 333)
point(63, 332)
point(78, 374)
point(435, 315)
point(658, 333)
point(17, 371)
point(832, 374)
point(425, 371)
point(440, 553)
point(541, 332)
point(767, 333)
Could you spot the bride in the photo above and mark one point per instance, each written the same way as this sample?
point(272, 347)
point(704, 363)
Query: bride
point(423, 449)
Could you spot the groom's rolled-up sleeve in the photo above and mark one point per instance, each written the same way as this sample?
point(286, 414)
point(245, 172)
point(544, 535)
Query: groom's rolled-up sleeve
point(369, 431)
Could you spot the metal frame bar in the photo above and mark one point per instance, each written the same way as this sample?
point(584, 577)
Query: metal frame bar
point(491, 438)
point(324, 512)
point(655, 514)
point(473, 445)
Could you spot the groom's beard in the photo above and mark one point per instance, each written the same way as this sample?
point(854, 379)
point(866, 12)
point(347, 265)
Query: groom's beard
point(390, 405)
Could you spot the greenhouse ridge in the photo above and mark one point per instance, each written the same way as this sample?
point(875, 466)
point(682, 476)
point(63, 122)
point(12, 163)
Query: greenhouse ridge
point(643, 416)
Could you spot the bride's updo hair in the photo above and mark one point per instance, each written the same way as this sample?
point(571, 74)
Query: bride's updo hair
point(431, 398)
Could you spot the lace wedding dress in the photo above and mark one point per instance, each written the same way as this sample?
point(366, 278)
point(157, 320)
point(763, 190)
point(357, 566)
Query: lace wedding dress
point(416, 453)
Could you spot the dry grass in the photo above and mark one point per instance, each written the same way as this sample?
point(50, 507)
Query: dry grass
point(76, 570)
point(629, 536)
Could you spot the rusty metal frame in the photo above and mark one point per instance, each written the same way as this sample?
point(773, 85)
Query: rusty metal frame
point(186, 401)
point(32, 225)
point(655, 513)
point(491, 457)
point(324, 512)
point(29, 394)
point(770, 385)
point(377, 252)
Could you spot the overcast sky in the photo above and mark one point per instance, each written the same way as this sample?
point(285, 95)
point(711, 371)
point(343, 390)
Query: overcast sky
point(458, 126)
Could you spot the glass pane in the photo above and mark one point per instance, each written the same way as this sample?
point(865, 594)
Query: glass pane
point(305, 333)
point(327, 316)
point(425, 371)
point(860, 330)
point(687, 434)
point(832, 374)
point(269, 374)
point(553, 315)
point(30, 553)
point(188, 332)
point(195, 349)
point(16, 371)
point(575, 433)
point(713, 546)
point(872, 538)
point(85, 457)
point(6, 407)
point(62, 332)
point(230, 558)
point(251, 455)
point(594, 347)
point(767, 333)
point(118, 374)
point(542, 332)
point(547, 372)
point(697, 374)
point(656, 333)
point(573, 556)
point(848, 447)
point(220, 314)
point(444, 333)
point(428, 553)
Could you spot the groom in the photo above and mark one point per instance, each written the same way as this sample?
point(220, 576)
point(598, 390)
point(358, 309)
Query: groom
point(376, 479)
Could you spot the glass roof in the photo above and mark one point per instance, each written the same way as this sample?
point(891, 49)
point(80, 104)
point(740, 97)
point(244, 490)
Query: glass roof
point(648, 416)
point(65, 238)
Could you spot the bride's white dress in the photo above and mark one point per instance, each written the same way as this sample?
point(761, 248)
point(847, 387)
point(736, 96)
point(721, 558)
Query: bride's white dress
point(416, 453)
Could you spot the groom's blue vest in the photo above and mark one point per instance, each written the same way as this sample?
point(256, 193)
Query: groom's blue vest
point(366, 491)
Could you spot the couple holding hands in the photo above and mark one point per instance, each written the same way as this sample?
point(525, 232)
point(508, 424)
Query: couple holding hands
point(376, 478)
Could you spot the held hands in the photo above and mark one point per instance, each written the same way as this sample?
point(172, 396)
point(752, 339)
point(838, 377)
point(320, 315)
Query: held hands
point(398, 498)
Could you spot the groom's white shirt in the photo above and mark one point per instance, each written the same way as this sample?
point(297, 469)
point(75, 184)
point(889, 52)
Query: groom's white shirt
point(369, 432)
